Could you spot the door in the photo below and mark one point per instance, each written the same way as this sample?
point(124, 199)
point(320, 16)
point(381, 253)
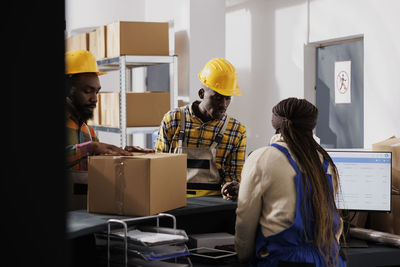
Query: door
point(340, 94)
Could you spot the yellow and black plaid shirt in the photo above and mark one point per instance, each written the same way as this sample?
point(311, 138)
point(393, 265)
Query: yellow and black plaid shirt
point(230, 152)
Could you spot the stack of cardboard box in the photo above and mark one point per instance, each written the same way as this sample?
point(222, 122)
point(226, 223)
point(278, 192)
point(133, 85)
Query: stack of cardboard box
point(124, 38)
point(385, 222)
point(389, 222)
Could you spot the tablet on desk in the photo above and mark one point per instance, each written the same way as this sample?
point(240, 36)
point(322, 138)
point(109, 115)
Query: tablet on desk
point(211, 253)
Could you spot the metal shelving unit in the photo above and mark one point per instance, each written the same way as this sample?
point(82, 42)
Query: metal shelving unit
point(125, 64)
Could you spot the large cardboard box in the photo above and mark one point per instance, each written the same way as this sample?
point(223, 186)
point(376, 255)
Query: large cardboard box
point(137, 38)
point(392, 144)
point(142, 109)
point(389, 222)
point(139, 185)
point(97, 42)
point(79, 41)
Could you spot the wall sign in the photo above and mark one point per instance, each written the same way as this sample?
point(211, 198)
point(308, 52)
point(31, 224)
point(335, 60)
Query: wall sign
point(342, 82)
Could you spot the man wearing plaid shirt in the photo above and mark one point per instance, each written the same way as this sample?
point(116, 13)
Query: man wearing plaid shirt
point(214, 142)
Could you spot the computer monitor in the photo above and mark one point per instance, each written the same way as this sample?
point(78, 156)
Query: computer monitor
point(365, 180)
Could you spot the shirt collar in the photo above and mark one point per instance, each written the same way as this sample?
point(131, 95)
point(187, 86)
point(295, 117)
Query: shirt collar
point(194, 115)
point(276, 138)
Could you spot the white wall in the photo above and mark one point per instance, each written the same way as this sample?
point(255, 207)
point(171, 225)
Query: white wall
point(206, 39)
point(378, 21)
point(177, 13)
point(82, 14)
point(268, 42)
point(199, 27)
point(264, 41)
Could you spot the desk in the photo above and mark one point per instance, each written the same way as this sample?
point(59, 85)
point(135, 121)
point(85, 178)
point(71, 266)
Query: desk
point(206, 215)
point(372, 256)
point(200, 215)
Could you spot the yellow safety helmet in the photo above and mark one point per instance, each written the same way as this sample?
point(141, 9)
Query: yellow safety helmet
point(221, 76)
point(81, 61)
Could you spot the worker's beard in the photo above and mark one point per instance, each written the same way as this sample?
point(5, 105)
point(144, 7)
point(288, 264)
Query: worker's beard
point(83, 112)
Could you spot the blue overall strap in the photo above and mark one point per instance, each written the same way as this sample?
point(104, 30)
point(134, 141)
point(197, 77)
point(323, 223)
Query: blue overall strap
point(326, 165)
point(285, 151)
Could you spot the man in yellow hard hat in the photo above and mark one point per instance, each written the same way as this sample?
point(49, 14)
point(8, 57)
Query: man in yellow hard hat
point(82, 86)
point(214, 142)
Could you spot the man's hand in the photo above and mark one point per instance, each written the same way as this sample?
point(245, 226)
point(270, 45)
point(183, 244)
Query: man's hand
point(230, 190)
point(103, 148)
point(139, 149)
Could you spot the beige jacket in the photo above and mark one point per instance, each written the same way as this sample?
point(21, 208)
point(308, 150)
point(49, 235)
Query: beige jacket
point(267, 196)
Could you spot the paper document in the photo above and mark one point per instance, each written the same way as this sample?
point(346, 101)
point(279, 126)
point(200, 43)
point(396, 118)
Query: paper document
point(150, 237)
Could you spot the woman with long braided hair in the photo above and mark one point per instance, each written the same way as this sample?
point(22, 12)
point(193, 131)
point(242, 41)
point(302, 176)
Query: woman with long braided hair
point(286, 213)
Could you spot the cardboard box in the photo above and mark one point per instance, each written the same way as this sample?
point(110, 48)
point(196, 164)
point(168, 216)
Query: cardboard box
point(360, 219)
point(146, 109)
point(79, 41)
point(97, 42)
point(137, 38)
point(142, 109)
point(77, 185)
point(389, 222)
point(109, 109)
point(392, 144)
point(139, 185)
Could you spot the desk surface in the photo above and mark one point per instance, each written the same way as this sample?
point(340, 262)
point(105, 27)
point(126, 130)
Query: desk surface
point(80, 222)
point(373, 255)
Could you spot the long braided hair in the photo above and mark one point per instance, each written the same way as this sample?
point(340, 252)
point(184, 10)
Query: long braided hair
point(295, 120)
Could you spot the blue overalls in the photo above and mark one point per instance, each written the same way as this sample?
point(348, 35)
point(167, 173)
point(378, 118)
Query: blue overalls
point(290, 246)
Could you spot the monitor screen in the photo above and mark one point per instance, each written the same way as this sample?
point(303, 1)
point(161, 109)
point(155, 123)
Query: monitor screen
point(365, 180)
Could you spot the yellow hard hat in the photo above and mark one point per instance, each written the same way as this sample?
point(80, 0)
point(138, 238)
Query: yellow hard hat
point(221, 76)
point(81, 61)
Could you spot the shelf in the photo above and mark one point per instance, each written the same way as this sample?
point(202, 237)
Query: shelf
point(129, 130)
point(133, 61)
point(125, 64)
point(106, 129)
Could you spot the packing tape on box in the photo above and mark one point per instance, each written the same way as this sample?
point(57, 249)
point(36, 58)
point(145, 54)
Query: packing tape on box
point(119, 185)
